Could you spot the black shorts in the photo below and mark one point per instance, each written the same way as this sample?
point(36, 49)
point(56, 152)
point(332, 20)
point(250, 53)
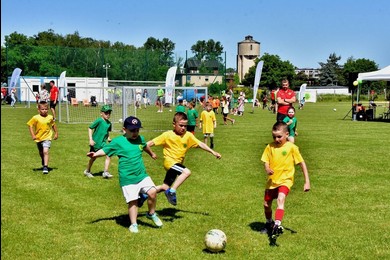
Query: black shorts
point(190, 128)
point(52, 104)
point(92, 149)
point(173, 172)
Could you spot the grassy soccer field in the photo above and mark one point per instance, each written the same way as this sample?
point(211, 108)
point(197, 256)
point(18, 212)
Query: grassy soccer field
point(64, 215)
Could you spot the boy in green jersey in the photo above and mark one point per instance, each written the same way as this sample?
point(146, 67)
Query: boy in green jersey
point(133, 177)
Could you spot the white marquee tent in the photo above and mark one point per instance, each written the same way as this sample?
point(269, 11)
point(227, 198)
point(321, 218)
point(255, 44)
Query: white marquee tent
point(382, 74)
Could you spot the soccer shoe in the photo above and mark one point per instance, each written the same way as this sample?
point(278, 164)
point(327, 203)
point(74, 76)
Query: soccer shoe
point(171, 196)
point(45, 170)
point(133, 228)
point(106, 175)
point(141, 199)
point(276, 231)
point(88, 174)
point(155, 219)
point(268, 227)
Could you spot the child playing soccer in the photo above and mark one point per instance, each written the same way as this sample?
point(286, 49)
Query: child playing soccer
point(41, 128)
point(98, 133)
point(291, 121)
point(279, 160)
point(192, 115)
point(207, 118)
point(133, 177)
point(175, 144)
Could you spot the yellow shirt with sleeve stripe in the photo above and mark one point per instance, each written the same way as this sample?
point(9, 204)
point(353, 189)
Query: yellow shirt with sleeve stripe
point(175, 146)
point(282, 161)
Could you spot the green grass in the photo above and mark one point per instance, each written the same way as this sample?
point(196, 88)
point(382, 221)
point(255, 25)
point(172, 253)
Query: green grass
point(64, 215)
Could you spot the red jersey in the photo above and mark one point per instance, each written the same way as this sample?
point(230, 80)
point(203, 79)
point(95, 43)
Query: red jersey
point(53, 93)
point(285, 94)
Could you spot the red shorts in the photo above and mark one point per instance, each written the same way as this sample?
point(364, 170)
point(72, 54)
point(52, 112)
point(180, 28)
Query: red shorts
point(271, 194)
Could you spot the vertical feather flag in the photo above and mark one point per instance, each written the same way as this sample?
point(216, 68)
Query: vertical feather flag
point(259, 69)
point(170, 84)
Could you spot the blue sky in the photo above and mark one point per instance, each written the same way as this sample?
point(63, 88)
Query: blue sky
point(302, 32)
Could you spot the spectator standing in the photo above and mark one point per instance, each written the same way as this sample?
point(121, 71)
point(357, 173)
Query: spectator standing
point(44, 94)
point(285, 99)
point(53, 98)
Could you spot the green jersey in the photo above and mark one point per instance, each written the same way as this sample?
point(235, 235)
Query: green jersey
point(131, 166)
point(101, 128)
point(180, 108)
point(192, 115)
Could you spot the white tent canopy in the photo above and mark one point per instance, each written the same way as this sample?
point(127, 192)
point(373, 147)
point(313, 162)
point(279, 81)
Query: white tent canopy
point(383, 74)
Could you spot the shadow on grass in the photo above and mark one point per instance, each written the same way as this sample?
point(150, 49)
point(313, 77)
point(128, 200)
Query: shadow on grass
point(166, 215)
point(207, 251)
point(41, 169)
point(258, 226)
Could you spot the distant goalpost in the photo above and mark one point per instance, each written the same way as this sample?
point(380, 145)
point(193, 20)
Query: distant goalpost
point(122, 96)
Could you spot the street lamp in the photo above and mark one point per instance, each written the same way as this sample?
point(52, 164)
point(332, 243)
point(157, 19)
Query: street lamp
point(106, 67)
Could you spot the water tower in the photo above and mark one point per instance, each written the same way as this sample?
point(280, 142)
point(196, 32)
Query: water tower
point(248, 51)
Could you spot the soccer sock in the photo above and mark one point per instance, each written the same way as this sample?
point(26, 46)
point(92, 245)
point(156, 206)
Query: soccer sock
point(211, 140)
point(279, 215)
point(268, 215)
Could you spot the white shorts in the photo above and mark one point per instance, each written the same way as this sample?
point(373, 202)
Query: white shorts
point(131, 191)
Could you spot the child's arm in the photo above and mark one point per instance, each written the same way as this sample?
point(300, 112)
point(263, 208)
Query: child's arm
point(91, 141)
point(268, 170)
point(208, 149)
point(215, 124)
point(306, 186)
point(31, 129)
point(99, 153)
point(150, 143)
point(150, 152)
point(55, 137)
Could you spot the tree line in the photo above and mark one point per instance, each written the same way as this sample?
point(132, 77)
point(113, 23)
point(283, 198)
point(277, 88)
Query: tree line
point(48, 54)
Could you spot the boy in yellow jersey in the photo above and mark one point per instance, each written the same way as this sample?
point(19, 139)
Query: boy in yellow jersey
point(41, 128)
point(175, 144)
point(280, 158)
point(209, 122)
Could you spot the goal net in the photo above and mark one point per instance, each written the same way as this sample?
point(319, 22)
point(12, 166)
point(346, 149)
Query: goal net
point(82, 105)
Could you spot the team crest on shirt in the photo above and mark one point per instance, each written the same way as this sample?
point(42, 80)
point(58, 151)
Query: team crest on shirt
point(284, 153)
point(185, 145)
point(140, 147)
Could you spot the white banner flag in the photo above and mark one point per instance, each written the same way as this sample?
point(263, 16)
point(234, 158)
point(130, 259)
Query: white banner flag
point(259, 69)
point(14, 79)
point(62, 85)
point(302, 91)
point(170, 84)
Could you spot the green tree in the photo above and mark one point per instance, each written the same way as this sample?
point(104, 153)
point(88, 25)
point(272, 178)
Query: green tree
point(210, 50)
point(274, 70)
point(330, 72)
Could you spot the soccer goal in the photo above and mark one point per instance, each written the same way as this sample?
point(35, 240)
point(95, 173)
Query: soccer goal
point(82, 105)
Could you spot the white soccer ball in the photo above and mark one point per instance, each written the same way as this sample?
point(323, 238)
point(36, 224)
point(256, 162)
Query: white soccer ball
point(215, 240)
point(334, 109)
point(120, 120)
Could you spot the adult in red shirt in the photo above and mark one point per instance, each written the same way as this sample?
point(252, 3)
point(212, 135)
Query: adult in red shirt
point(53, 98)
point(285, 99)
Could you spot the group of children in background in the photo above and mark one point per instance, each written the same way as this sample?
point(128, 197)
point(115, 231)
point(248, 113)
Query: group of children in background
point(279, 157)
